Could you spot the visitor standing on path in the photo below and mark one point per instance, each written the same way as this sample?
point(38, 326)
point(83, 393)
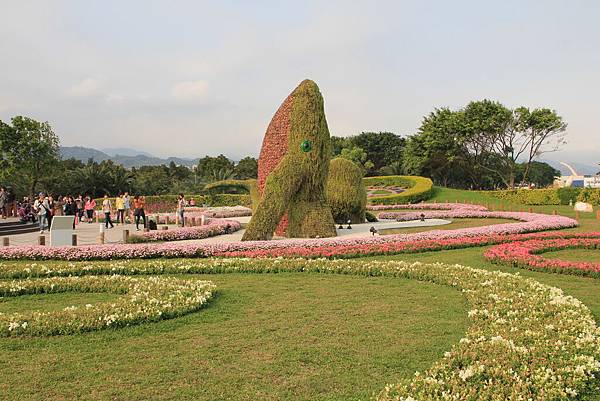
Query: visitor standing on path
point(50, 215)
point(70, 208)
point(181, 209)
point(120, 205)
point(80, 203)
point(90, 205)
point(106, 206)
point(41, 208)
point(127, 204)
point(138, 204)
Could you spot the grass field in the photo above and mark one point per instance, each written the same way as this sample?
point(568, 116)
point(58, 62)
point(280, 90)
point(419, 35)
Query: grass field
point(273, 337)
point(267, 337)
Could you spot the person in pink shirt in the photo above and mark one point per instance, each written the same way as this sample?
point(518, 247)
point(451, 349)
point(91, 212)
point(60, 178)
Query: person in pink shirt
point(90, 205)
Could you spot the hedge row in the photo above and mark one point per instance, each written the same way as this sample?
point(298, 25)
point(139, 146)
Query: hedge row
point(418, 189)
point(552, 196)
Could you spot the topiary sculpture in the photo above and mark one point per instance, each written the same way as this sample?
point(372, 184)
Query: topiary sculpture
point(293, 168)
point(345, 191)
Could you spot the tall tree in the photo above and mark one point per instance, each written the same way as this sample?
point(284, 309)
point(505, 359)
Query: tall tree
point(209, 166)
point(29, 149)
point(246, 168)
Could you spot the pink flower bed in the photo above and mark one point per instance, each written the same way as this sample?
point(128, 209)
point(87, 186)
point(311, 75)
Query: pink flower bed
point(213, 228)
point(526, 254)
point(427, 206)
point(323, 247)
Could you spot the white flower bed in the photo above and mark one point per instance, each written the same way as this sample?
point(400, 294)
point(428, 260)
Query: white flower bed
point(142, 300)
point(525, 341)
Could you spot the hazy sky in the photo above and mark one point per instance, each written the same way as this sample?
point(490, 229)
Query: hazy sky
point(190, 78)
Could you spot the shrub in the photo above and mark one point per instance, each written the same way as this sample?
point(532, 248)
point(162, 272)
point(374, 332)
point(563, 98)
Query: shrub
point(418, 189)
point(551, 196)
point(371, 218)
point(345, 191)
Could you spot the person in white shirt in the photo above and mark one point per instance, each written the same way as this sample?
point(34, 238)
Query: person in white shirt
point(41, 207)
point(106, 207)
point(180, 209)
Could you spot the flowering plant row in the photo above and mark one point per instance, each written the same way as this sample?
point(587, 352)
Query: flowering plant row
point(142, 300)
point(212, 228)
point(526, 255)
point(525, 340)
point(427, 206)
point(323, 247)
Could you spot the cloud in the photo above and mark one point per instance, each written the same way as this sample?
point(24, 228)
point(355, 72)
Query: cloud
point(189, 90)
point(85, 88)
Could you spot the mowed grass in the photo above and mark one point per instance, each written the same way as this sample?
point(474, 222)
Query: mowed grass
point(575, 255)
point(273, 337)
point(52, 302)
point(455, 225)
point(264, 337)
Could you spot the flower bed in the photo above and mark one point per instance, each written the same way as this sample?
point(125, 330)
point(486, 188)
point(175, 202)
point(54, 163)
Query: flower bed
point(525, 254)
point(143, 300)
point(417, 189)
point(525, 340)
point(323, 247)
point(213, 228)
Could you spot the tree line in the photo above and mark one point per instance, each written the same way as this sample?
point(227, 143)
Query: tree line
point(483, 145)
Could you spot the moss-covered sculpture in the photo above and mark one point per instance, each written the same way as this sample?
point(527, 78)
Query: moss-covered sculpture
point(345, 191)
point(293, 168)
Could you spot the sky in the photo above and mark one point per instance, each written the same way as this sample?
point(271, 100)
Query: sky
point(190, 78)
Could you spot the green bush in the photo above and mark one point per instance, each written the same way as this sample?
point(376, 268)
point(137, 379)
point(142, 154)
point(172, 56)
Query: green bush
point(345, 191)
point(371, 218)
point(418, 189)
point(249, 186)
point(551, 196)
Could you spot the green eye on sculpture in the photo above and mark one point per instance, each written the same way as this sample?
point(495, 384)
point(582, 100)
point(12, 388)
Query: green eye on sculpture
point(306, 146)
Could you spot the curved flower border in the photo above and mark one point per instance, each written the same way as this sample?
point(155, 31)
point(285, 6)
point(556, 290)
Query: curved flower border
point(525, 254)
point(525, 340)
point(213, 228)
point(143, 300)
point(329, 247)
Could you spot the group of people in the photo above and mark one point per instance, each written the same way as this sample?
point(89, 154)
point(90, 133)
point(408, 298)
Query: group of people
point(123, 203)
point(45, 207)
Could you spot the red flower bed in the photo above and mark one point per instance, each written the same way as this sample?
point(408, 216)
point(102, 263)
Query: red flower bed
point(526, 254)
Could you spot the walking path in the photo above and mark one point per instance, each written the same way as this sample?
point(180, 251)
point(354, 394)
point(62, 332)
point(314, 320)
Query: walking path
point(89, 233)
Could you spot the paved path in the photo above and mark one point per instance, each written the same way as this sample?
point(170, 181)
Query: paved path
point(89, 233)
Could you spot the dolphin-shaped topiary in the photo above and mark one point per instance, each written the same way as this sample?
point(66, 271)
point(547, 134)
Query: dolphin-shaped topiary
point(293, 169)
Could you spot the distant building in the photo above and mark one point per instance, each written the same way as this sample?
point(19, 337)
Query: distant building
point(577, 180)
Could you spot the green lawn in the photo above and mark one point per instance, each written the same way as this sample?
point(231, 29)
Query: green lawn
point(575, 255)
point(272, 337)
point(264, 337)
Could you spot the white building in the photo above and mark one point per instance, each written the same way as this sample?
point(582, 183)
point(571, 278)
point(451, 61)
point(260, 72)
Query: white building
point(577, 180)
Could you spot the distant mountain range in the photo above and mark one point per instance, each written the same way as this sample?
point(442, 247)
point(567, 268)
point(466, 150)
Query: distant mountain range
point(125, 156)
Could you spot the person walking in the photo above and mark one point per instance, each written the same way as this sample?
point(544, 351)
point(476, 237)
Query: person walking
point(127, 205)
point(138, 204)
point(106, 207)
point(3, 202)
point(41, 208)
point(90, 205)
point(181, 209)
point(120, 205)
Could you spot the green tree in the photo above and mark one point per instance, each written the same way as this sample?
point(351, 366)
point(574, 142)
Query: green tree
point(359, 157)
point(246, 168)
point(540, 174)
point(382, 148)
point(29, 149)
point(208, 165)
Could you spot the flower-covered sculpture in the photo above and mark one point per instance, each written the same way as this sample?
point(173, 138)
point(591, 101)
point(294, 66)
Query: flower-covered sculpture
point(293, 169)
